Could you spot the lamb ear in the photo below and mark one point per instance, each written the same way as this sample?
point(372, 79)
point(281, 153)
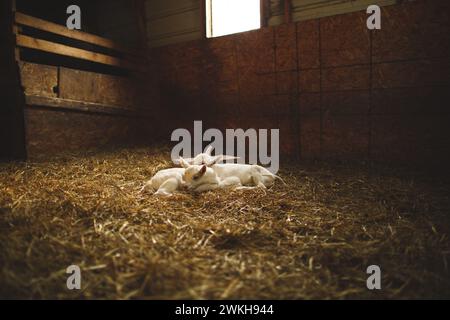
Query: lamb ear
point(221, 158)
point(188, 160)
point(215, 160)
point(225, 157)
point(208, 150)
point(183, 163)
point(203, 170)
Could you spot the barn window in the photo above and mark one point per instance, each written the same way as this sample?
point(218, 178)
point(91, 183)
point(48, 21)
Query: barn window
point(231, 16)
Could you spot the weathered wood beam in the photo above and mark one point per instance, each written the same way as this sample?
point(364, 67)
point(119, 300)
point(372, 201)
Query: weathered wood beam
point(203, 18)
point(29, 21)
point(287, 11)
point(51, 47)
point(75, 105)
point(264, 11)
point(139, 13)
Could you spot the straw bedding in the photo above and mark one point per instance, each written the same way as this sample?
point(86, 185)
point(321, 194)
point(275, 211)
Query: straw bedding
point(311, 239)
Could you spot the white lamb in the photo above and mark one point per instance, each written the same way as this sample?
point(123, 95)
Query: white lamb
point(165, 182)
point(239, 176)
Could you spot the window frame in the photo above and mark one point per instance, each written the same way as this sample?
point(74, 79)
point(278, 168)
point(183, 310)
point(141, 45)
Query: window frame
point(207, 23)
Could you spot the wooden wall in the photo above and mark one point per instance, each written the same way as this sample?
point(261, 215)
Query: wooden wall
point(11, 97)
point(117, 20)
point(313, 9)
point(57, 103)
point(70, 110)
point(176, 21)
point(172, 21)
point(334, 88)
point(112, 19)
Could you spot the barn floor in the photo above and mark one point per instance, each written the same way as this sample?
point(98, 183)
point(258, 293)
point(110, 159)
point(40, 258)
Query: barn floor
point(311, 239)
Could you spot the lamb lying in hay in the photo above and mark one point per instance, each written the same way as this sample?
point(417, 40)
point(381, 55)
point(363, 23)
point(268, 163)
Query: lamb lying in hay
point(203, 173)
point(229, 175)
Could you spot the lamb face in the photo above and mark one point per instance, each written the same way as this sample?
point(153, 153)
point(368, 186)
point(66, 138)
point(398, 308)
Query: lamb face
point(193, 173)
point(195, 176)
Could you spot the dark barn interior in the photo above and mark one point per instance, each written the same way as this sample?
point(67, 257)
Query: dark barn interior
point(86, 119)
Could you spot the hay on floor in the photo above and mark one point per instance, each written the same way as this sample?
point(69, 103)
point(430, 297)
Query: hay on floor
point(313, 238)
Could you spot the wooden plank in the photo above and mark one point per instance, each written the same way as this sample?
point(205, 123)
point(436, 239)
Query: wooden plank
point(47, 46)
point(287, 11)
point(16, 30)
point(12, 145)
point(314, 9)
point(99, 88)
point(66, 104)
point(264, 12)
point(51, 27)
point(50, 132)
point(203, 18)
point(38, 79)
point(139, 12)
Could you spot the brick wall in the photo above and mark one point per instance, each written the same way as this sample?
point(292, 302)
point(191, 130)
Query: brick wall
point(334, 88)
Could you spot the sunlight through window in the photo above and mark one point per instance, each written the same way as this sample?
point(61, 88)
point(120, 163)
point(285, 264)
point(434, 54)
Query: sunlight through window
point(231, 16)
